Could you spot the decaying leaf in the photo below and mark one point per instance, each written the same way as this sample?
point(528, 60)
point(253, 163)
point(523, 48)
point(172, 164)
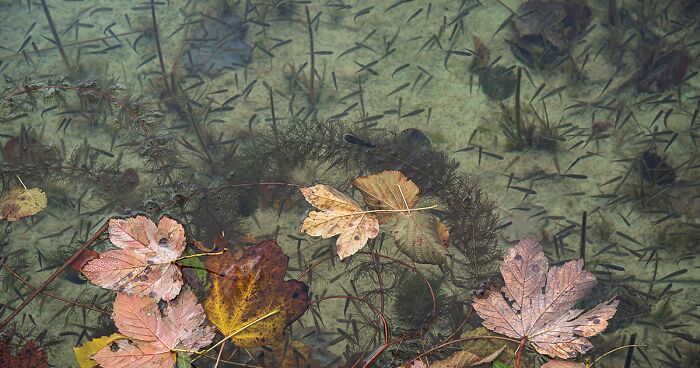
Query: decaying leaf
point(31, 355)
point(144, 264)
point(340, 216)
point(418, 234)
point(250, 286)
point(155, 334)
point(84, 353)
point(536, 303)
point(20, 202)
point(464, 359)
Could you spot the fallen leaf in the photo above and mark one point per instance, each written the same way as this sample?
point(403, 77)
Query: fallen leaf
point(563, 364)
point(84, 353)
point(144, 264)
point(463, 359)
point(155, 334)
point(340, 216)
point(250, 286)
point(418, 234)
point(28, 356)
point(20, 202)
point(535, 303)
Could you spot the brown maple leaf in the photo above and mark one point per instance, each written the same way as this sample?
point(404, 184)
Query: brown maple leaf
point(535, 305)
point(145, 262)
point(418, 234)
point(340, 216)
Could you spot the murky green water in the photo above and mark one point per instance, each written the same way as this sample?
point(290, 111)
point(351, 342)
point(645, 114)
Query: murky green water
point(573, 122)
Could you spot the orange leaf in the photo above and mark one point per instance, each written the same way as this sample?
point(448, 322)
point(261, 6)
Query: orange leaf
point(145, 263)
point(248, 287)
point(340, 216)
point(540, 305)
point(155, 334)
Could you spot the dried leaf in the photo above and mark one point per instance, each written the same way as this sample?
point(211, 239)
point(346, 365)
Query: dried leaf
point(84, 353)
point(563, 364)
point(20, 202)
point(155, 335)
point(542, 299)
point(29, 356)
point(416, 235)
point(463, 359)
point(248, 287)
point(419, 235)
point(145, 263)
point(388, 190)
point(340, 216)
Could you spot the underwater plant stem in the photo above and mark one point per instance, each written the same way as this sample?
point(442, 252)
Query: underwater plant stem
point(53, 276)
point(56, 38)
point(312, 91)
point(374, 308)
point(618, 349)
point(50, 294)
point(520, 351)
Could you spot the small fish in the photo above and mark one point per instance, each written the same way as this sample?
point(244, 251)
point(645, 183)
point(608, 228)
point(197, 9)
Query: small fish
point(358, 141)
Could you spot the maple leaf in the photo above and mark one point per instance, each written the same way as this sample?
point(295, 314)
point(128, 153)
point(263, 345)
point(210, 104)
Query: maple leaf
point(155, 335)
point(419, 235)
point(28, 356)
point(248, 287)
point(144, 264)
point(536, 303)
point(340, 216)
point(21, 202)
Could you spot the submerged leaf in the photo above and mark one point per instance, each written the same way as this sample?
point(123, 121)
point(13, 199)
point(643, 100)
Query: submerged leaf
point(84, 352)
point(145, 263)
point(155, 335)
point(464, 359)
point(19, 202)
point(31, 355)
point(340, 216)
point(248, 287)
point(542, 299)
point(419, 235)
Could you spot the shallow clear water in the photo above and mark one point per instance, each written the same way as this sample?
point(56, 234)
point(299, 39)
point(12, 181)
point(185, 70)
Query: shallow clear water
point(571, 122)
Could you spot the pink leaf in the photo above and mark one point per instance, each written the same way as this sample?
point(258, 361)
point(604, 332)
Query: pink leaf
point(144, 264)
point(154, 335)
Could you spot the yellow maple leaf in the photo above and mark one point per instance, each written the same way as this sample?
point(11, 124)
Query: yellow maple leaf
point(248, 288)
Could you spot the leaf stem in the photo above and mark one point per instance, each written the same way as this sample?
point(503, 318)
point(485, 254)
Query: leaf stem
point(619, 348)
point(520, 351)
point(200, 255)
point(406, 210)
point(234, 333)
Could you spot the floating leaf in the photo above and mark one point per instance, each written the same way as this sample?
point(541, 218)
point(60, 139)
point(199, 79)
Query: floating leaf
point(144, 264)
point(84, 353)
point(419, 235)
point(155, 335)
point(340, 216)
point(29, 356)
point(535, 303)
point(464, 358)
point(248, 287)
point(20, 202)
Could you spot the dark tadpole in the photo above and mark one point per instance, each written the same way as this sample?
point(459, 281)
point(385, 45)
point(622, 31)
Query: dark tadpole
point(654, 169)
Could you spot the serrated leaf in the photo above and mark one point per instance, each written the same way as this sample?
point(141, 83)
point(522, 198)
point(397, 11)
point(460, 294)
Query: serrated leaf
point(144, 264)
point(84, 353)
